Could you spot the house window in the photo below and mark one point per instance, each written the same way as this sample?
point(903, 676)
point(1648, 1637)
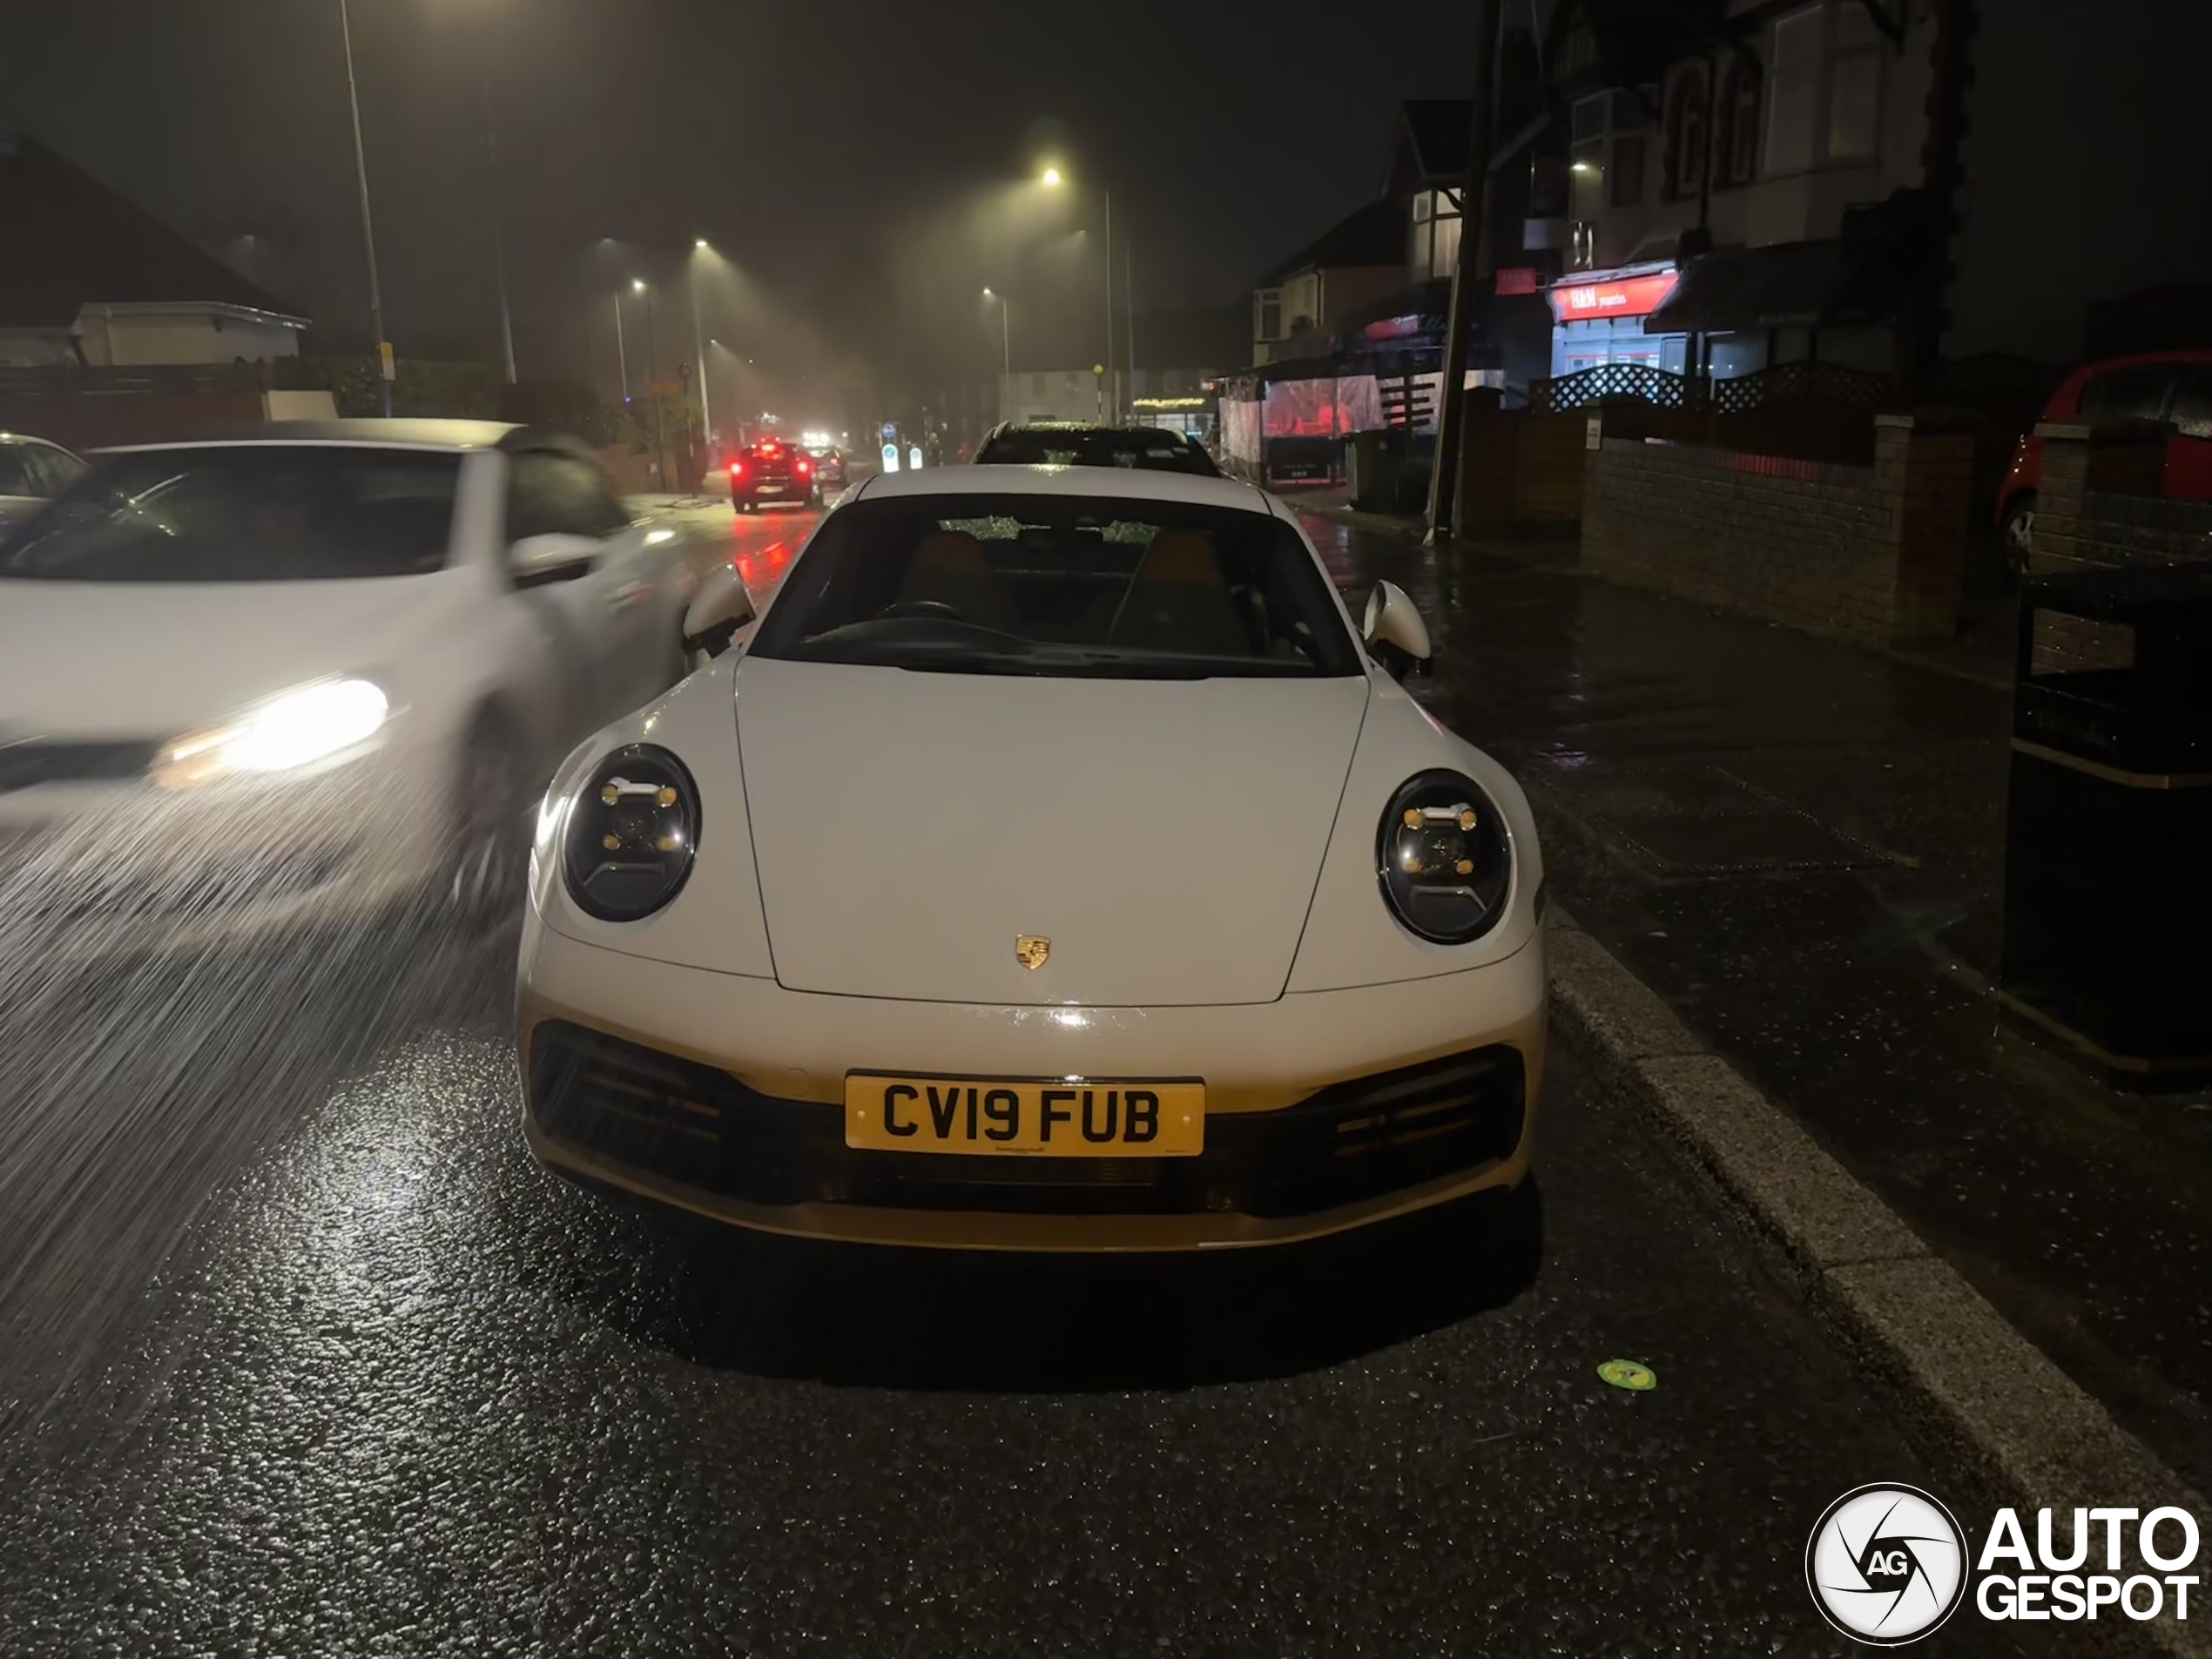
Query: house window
point(1607, 169)
point(1036, 386)
point(1793, 95)
point(1625, 174)
point(1687, 135)
point(1735, 119)
point(1445, 258)
point(1854, 87)
point(1267, 323)
point(1435, 239)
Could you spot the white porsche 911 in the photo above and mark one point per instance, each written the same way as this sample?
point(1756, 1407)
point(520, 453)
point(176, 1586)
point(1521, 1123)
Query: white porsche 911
point(1052, 866)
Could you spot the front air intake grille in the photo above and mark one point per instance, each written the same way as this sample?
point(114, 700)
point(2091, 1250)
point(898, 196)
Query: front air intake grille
point(701, 1127)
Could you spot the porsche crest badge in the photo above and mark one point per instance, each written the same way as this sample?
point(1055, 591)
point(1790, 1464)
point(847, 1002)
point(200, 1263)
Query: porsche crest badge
point(1031, 949)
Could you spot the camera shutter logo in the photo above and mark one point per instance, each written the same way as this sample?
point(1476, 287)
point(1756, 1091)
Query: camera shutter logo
point(1886, 1565)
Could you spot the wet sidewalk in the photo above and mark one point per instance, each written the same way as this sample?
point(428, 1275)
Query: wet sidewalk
point(1800, 846)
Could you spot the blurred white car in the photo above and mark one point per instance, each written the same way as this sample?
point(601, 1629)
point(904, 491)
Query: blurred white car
point(304, 673)
point(32, 472)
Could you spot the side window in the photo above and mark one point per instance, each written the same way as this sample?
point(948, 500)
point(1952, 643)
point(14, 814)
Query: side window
point(52, 470)
point(2136, 392)
point(613, 514)
point(557, 494)
point(2192, 412)
point(17, 476)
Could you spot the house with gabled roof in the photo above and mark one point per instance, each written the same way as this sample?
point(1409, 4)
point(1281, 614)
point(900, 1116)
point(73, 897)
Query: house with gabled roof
point(91, 279)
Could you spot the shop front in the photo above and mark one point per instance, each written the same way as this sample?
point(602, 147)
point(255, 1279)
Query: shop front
point(1192, 414)
point(1599, 318)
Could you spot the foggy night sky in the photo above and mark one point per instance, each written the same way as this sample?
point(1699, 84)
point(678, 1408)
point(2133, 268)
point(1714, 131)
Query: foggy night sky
point(809, 144)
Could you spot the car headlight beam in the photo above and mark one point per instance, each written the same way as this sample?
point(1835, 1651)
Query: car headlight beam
point(294, 729)
point(1443, 858)
point(633, 831)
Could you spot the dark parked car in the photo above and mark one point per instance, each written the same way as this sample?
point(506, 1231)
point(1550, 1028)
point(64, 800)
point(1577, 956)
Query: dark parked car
point(771, 472)
point(1055, 443)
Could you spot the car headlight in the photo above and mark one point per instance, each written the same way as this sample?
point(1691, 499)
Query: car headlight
point(286, 732)
point(633, 831)
point(1443, 858)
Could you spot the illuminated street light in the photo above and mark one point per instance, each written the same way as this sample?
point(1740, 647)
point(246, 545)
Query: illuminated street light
point(700, 244)
point(638, 285)
point(1051, 178)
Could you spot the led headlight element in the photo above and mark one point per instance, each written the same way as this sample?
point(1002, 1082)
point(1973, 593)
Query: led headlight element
point(286, 732)
point(1443, 858)
point(633, 831)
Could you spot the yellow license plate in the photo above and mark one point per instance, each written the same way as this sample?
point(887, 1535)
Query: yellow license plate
point(1085, 1118)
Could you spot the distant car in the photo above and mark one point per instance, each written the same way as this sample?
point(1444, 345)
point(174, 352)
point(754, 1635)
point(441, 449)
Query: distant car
point(32, 472)
point(773, 473)
point(829, 466)
point(1056, 865)
point(1067, 443)
point(2173, 387)
point(309, 674)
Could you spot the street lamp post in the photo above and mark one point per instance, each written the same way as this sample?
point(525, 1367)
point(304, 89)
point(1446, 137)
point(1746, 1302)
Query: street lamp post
point(1006, 351)
point(652, 380)
point(699, 347)
point(1052, 179)
point(622, 353)
point(384, 365)
point(498, 234)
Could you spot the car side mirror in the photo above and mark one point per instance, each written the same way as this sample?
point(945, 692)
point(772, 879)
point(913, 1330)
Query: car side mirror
point(716, 611)
point(1394, 630)
point(555, 556)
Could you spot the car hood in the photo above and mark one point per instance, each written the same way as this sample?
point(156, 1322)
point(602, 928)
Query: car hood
point(1165, 836)
point(129, 659)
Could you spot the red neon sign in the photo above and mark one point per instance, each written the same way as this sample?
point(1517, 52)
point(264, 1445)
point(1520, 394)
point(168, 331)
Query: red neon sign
point(1631, 297)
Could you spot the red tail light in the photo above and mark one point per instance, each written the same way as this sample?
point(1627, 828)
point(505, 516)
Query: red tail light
point(804, 467)
point(737, 470)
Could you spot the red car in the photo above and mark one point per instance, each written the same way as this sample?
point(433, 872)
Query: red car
point(773, 472)
point(2172, 386)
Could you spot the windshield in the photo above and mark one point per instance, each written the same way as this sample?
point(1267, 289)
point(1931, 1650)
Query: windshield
point(245, 513)
point(1059, 584)
point(1151, 452)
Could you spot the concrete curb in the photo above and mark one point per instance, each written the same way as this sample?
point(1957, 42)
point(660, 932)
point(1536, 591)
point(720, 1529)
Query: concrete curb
point(1982, 1397)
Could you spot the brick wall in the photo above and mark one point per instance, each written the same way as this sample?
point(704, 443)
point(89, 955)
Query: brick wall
point(1873, 555)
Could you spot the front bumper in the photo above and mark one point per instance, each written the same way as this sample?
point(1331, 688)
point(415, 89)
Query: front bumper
point(722, 1095)
point(90, 868)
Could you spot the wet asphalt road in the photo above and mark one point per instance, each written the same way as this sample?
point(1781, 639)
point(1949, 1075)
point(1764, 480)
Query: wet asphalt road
point(299, 1354)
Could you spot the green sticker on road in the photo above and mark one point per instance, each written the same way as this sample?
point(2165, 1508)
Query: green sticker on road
point(1626, 1373)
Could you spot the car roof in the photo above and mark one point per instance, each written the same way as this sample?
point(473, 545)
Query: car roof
point(32, 437)
point(396, 434)
point(1088, 429)
point(1135, 483)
